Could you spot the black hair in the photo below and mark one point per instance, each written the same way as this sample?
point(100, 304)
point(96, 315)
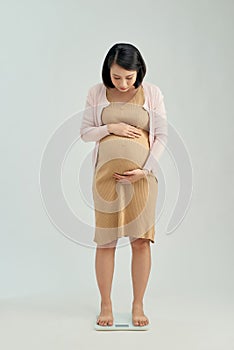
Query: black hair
point(126, 56)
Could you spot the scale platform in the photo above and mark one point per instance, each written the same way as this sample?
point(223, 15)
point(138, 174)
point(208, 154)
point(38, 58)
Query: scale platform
point(122, 322)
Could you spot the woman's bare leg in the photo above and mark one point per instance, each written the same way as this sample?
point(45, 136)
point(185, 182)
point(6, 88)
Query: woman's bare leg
point(104, 265)
point(141, 264)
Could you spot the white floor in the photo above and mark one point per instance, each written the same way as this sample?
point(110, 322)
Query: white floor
point(68, 323)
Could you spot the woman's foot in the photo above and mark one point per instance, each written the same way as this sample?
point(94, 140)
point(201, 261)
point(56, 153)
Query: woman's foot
point(105, 317)
point(138, 316)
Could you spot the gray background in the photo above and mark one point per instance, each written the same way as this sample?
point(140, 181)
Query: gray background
point(51, 53)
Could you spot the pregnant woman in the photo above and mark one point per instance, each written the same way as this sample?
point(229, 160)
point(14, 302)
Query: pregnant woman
point(126, 118)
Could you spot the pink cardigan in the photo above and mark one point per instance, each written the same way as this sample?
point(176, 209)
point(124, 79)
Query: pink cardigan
point(92, 128)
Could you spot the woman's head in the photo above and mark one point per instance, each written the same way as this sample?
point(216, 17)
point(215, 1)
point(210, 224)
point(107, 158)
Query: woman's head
point(123, 67)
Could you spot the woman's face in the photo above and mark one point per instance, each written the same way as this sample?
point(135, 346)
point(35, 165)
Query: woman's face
point(121, 78)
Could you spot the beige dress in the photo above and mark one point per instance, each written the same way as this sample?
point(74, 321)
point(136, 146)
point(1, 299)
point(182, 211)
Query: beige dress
point(124, 209)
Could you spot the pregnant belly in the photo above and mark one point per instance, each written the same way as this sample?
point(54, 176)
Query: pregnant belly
point(126, 153)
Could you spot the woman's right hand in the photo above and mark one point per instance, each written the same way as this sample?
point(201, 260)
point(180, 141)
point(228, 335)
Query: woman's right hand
point(123, 129)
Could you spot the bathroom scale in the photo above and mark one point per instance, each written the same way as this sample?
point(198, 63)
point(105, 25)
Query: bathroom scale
point(122, 322)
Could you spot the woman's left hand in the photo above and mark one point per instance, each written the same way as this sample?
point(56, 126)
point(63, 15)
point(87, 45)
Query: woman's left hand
point(130, 176)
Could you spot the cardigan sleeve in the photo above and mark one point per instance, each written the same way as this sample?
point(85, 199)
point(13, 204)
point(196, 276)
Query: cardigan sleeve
point(89, 131)
point(160, 135)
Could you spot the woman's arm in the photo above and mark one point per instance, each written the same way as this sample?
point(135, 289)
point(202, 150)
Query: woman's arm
point(160, 135)
point(88, 130)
